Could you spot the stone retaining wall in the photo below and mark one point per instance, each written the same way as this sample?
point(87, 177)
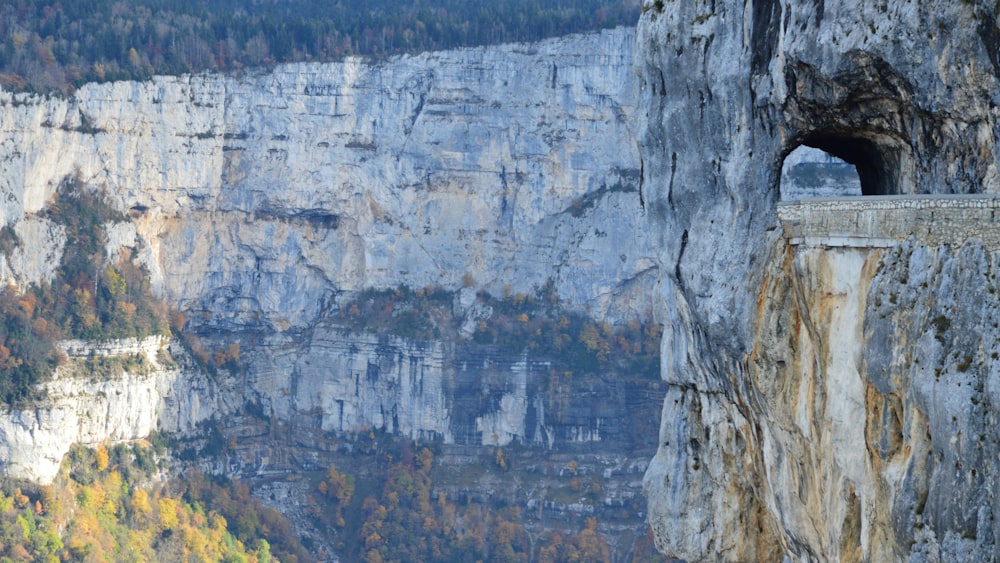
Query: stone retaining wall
point(885, 220)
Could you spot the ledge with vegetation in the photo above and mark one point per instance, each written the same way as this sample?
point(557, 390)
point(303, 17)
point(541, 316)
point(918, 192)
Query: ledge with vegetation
point(89, 298)
point(537, 323)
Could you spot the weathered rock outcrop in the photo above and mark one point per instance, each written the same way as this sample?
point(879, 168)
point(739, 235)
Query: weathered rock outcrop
point(823, 403)
point(87, 408)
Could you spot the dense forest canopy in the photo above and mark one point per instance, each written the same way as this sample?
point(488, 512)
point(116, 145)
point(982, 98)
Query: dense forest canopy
point(113, 504)
point(58, 45)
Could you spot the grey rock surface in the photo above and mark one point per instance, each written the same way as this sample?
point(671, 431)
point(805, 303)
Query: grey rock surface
point(261, 203)
point(337, 380)
point(264, 199)
point(79, 408)
point(780, 438)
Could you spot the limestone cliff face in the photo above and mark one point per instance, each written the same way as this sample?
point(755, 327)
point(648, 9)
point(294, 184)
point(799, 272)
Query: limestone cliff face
point(262, 198)
point(334, 380)
point(329, 380)
point(825, 402)
point(83, 408)
point(260, 202)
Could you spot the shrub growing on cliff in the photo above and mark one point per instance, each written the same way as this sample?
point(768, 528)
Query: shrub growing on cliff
point(88, 297)
point(420, 314)
point(28, 352)
point(578, 343)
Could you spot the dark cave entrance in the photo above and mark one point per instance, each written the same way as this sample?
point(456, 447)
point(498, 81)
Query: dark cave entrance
point(834, 165)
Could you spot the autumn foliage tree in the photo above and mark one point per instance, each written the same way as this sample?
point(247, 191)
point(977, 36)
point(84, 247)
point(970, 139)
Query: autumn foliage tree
point(104, 507)
point(587, 545)
point(92, 296)
point(338, 488)
point(28, 353)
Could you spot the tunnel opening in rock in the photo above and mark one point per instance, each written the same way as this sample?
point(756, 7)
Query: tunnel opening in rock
point(809, 172)
point(836, 165)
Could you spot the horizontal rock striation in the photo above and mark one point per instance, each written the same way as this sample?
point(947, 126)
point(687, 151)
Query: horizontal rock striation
point(335, 380)
point(148, 347)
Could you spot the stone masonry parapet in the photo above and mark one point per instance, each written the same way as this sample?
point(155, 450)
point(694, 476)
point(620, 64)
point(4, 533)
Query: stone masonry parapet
point(878, 221)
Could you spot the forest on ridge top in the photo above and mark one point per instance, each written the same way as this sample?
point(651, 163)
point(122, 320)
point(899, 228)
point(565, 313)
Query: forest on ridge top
point(50, 45)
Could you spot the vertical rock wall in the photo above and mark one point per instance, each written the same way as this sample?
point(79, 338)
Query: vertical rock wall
point(264, 197)
point(332, 379)
point(766, 445)
point(83, 408)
